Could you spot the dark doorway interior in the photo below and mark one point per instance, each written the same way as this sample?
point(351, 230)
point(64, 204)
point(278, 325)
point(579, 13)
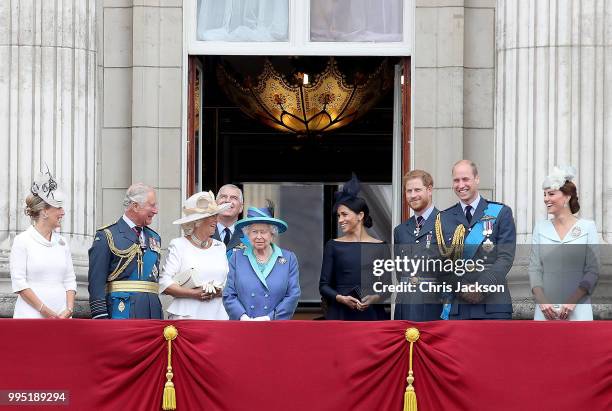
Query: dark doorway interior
point(240, 150)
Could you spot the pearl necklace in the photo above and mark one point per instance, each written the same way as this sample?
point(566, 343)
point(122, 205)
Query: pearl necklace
point(262, 259)
point(202, 244)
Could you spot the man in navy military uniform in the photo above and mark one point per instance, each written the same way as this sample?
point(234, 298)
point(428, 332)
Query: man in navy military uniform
point(489, 235)
point(124, 261)
point(416, 239)
point(226, 220)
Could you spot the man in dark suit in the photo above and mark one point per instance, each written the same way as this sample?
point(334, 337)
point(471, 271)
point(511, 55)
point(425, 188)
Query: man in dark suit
point(124, 261)
point(415, 238)
point(489, 235)
point(226, 220)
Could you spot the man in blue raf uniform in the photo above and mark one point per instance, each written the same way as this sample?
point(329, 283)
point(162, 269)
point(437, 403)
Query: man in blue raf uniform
point(226, 220)
point(415, 239)
point(487, 231)
point(124, 262)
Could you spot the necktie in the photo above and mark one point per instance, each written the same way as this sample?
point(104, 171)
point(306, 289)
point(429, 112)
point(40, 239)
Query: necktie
point(138, 231)
point(228, 235)
point(419, 221)
point(468, 213)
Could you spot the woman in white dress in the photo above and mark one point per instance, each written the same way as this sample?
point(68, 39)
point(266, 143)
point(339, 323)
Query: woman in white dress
point(196, 268)
point(564, 263)
point(40, 261)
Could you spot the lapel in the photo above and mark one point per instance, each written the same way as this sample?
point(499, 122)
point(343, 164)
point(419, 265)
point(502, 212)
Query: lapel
point(235, 239)
point(126, 231)
point(216, 235)
point(410, 226)
point(459, 216)
point(429, 223)
point(482, 204)
point(548, 231)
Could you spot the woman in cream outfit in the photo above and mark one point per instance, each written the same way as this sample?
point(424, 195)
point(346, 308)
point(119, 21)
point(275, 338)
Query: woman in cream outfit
point(196, 268)
point(40, 262)
point(564, 264)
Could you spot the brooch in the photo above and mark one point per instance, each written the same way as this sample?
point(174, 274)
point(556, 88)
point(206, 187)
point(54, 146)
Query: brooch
point(282, 260)
point(488, 245)
point(576, 231)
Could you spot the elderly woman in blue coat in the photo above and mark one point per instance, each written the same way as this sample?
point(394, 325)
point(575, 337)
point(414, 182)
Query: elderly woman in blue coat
point(263, 282)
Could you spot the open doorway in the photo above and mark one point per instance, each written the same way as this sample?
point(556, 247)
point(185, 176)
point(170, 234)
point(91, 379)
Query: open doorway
point(300, 172)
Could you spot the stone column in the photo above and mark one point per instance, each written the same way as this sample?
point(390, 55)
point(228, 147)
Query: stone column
point(47, 116)
point(454, 91)
point(554, 64)
point(142, 67)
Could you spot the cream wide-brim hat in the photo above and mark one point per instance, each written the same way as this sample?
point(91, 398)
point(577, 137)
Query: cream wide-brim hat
point(199, 206)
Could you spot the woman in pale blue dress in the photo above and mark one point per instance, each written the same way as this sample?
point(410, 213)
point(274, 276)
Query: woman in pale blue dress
point(564, 263)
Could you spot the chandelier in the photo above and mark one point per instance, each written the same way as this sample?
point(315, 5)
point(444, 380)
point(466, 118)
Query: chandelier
point(296, 105)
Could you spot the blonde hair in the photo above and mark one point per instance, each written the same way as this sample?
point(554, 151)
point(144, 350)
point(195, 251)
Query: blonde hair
point(188, 228)
point(34, 206)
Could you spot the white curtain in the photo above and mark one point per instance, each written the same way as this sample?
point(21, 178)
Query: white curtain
point(356, 20)
point(243, 20)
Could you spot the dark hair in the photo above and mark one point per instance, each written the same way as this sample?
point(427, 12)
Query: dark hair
point(357, 205)
point(569, 189)
point(348, 197)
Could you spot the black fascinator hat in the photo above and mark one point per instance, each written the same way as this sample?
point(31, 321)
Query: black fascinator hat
point(349, 197)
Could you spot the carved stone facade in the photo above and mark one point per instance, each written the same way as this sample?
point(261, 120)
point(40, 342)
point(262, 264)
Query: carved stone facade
point(96, 90)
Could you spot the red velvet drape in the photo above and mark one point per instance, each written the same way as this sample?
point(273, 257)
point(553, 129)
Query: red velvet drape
point(299, 365)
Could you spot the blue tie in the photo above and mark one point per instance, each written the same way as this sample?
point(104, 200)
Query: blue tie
point(228, 235)
point(468, 213)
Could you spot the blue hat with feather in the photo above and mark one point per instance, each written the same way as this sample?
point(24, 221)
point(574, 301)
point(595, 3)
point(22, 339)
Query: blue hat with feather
point(262, 215)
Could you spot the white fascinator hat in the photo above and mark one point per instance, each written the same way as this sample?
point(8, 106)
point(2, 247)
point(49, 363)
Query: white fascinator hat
point(558, 177)
point(45, 187)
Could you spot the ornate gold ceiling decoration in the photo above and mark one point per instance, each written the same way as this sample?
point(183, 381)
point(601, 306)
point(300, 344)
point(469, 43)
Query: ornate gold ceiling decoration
point(326, 103)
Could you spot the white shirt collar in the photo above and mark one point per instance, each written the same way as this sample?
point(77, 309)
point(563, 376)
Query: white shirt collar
point(425, 214)
point(474, 204)
point(221, 228)
point(128, 221)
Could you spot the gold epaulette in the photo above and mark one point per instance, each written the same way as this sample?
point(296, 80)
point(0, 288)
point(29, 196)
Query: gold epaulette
point(455, 251)
point(125, 256)
point(105, 226)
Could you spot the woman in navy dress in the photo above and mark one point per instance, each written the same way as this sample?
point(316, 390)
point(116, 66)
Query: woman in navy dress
point(344, 294)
